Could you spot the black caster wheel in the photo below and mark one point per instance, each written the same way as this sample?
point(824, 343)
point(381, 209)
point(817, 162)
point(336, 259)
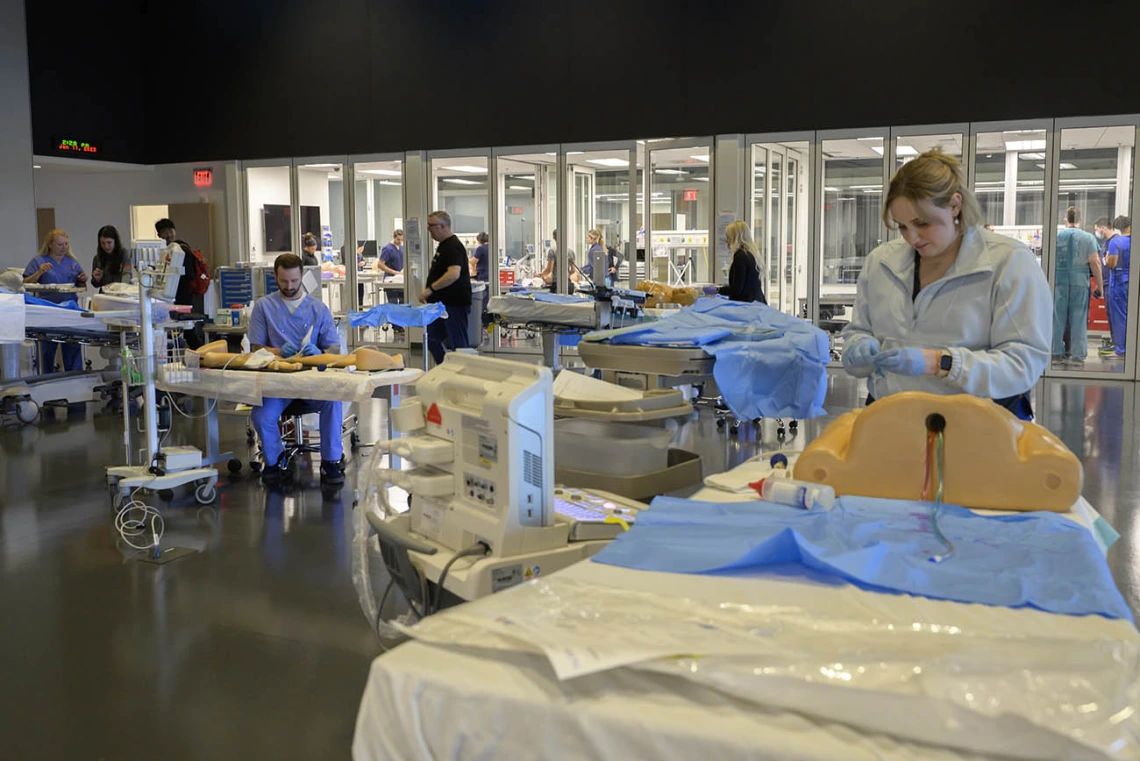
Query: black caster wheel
point(354, 442)
point(735, 429)
point(234, 465)
point(780, 434)
point(166, 494)
point(720, 423)
point(255, 466)
point(757, 423)
point(793, 426)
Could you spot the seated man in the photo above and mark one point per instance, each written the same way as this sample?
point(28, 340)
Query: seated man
point(284, 320)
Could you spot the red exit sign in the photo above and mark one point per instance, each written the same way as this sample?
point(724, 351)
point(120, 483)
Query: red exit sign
point(203, 178)
point(516, 210)
point(690, 194)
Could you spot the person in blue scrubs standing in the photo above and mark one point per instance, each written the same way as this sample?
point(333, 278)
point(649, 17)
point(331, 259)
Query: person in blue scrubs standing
point(1117, 259)
point(1077, 256)
point(481, 267)
point(55, 264)
point(295, 323)
point(391, 263)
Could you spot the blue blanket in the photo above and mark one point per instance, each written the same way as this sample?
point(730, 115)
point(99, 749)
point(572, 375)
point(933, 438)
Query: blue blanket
point(72, 305)
point(1038, 560)
point(768, 364)
point(404, 315)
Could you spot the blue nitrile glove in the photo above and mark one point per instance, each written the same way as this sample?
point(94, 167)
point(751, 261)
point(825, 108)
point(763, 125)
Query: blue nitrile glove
point(905, 361)
point(711, 290)
point(310, 349)
point(289, 349)
point(862, 355)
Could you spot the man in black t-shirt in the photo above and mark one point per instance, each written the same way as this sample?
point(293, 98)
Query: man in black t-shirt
point(449, 283)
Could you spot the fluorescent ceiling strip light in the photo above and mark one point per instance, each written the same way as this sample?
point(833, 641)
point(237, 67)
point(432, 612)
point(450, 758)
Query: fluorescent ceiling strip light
point(878, 149)
point(389, 182)
point(1025, 145)
point(830, 189)
point(319, 166)
point(466, 168)
point(700, 157)
point(385, 172)
point(519, 187)
point(867, 139)
point(608, 162)
point(461, 181)
point(699, 179)
point(669, 171)
point(905, 150)
point(1032, 156)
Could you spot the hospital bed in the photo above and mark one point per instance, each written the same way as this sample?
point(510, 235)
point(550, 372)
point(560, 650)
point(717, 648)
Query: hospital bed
point(853, 674)
point(24, 394)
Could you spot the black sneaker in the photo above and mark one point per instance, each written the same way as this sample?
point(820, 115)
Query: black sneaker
point(271, 474)
point(332, 473)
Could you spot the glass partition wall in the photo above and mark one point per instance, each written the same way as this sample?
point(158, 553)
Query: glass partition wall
point(376, 250)
point(814, 201)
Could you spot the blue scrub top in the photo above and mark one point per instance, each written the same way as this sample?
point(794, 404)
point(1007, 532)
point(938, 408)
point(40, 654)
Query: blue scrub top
point(1074, 247)
point(393, 256)
point(271, 325)
point(1120, 245)
point(482, 263)
point(63, 272)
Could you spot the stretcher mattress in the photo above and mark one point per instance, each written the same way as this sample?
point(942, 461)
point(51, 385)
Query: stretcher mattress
point(44, 318)
point(658, 360)
point(478, 685)
point(526, 311)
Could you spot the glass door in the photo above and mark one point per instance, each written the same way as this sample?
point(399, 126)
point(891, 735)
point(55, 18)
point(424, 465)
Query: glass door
point(376, 251)
point(680, 214)
point(1093, 326)
point(908, 142)
point(269, 203)
point(321, 221)
point(526, 200)
point(605, 180)
point(1008, 177)
point(853, 171)
point(777, 210)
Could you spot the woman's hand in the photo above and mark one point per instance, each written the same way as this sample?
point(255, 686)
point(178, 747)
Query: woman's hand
point(862, 355)
point(909, 360)
point(45, 268)
point(81, 278)
point(97, 275)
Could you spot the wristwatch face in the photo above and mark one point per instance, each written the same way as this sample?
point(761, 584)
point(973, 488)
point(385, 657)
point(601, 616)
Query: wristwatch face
point(946, 362)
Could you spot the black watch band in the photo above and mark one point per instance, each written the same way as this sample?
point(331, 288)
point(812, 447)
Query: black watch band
point(946, 362)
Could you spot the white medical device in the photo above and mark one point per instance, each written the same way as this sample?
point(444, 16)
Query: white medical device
point(484, 446)
point(174, 466)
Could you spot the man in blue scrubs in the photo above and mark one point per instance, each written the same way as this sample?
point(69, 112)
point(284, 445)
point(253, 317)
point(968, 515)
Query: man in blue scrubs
point(391, 263)
point(1118, 259)
point(1104, 234)
point(1077, 256)
point(295, 323)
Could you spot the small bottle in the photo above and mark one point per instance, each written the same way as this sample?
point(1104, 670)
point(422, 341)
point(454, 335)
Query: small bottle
point(802, 494)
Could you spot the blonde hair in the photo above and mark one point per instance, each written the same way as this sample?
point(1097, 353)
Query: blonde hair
point(933, 176)
point(595, 233)
point(50, 237)
point(738, 236)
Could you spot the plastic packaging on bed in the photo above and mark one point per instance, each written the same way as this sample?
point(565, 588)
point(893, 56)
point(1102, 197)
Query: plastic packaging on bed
point(11, 318)
point(1040, 560)
point(403, 315)
point(1028, 693)
point(768, 364)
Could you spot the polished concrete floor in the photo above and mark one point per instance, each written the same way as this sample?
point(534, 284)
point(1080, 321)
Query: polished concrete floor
point(255, 647)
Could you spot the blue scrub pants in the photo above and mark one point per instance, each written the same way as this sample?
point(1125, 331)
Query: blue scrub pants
point(72, 357)
point(449, 334)
point(265, 417)
point(1071, 305)
point(1107, 308)
point(1118, 315)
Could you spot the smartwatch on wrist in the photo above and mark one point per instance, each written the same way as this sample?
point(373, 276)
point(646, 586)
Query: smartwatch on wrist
point(945, 362)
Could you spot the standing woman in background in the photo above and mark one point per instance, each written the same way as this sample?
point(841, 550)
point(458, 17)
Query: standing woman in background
point(744, 273)
point(309, 248)
point(55, 264)
point(111, 263)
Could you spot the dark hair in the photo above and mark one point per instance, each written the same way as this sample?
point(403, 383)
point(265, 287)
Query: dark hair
point(482, 237)
point(163, 224)
point(286, 262)
point(1072, 215)
point(308, 239)
point(112, 262)
point(1122, 223)
point(1102, 222)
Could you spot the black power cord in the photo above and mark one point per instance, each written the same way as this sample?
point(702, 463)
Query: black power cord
point(479, 548)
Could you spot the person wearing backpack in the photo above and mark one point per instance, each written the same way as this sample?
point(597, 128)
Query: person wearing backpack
point(192, 285)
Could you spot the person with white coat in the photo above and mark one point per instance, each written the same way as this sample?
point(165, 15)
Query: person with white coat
point(950, 307)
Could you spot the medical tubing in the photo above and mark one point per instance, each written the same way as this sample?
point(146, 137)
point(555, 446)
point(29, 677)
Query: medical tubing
point(214, 400)
point(939, 453)
point(479, 548)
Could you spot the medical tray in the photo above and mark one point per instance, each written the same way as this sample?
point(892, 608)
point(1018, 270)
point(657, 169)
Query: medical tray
point(657, 360)
point(656, 404)
point(683, 471)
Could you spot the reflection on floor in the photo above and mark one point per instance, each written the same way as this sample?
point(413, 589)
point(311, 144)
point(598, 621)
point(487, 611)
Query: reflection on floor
point(256, 646)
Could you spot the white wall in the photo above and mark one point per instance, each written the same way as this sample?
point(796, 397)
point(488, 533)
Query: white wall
point(266, 185)
point(17, 201)
point(84, 200)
